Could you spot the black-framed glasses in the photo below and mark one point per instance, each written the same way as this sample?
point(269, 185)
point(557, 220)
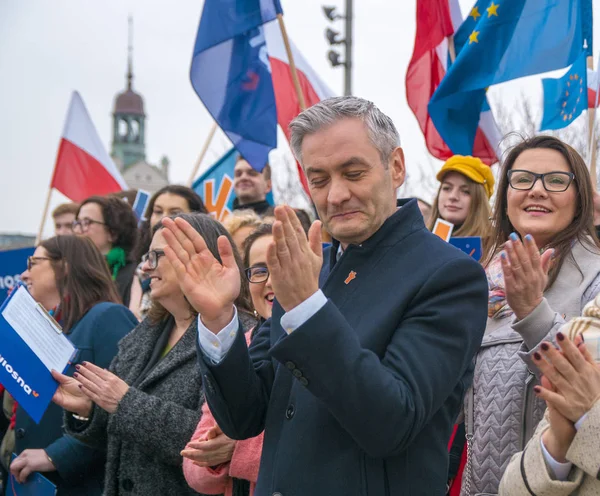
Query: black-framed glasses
point(84, 224)
point(152, 258)
point(554, 182)
point(257, 274)
point(31, 261)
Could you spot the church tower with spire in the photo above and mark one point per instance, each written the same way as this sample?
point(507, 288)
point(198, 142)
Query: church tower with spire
point(129, 136)
point(129, 119)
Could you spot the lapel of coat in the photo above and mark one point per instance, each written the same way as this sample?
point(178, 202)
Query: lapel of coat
point(183, 351)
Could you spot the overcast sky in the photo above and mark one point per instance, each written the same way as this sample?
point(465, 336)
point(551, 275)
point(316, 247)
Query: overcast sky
point(49, 49)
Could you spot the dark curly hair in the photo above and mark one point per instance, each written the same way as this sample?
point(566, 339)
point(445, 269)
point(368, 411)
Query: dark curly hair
point(195, 204)
point(120, 222)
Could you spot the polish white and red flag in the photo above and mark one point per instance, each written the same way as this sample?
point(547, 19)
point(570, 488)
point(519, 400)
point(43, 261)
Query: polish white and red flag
point(83, 167)
point(437, 21)
point(313, 88)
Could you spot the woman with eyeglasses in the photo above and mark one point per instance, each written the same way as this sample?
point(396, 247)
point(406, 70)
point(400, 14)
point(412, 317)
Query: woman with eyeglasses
point(236, 472)
point(168, 201)
point(143, 410)
point(111, 224)
point(69, 277)
point(543, 266)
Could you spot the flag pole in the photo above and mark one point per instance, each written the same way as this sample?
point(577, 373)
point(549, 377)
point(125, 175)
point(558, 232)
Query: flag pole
point(451, 49)
point(290, 55)
point(44, 215)
point(592, 129)
point(207, 142)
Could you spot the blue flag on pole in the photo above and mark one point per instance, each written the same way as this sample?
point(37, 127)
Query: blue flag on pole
point(231, 74)
point(566, 97)
point(502, 40)
point(215, 186)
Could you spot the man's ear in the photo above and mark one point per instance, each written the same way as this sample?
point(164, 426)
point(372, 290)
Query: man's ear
point(397, 167)
point(269, 186)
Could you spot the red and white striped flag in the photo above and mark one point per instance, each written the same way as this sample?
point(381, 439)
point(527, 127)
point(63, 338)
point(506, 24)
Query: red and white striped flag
point(83, 167)
point(313, 87)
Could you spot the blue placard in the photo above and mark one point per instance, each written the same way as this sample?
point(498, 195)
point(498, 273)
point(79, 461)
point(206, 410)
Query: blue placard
point(140, 203)
point(471, 245)
point(35, 485)
point(22, 373)
point(12, 264)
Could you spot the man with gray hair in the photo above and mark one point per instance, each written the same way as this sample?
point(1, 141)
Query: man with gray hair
point(358, 376)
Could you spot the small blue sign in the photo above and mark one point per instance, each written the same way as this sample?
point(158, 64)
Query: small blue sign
point(471, 245)
point(12, 264)
point(140, 203)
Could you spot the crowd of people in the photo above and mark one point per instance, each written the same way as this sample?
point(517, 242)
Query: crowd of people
point(359, 354)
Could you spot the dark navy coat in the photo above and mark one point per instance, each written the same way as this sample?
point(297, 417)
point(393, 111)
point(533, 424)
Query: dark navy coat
point(361, 399)
point(79, 468)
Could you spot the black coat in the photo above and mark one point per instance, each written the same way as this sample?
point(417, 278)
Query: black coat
point(361, 399)
point(79, 468)
point(154, 420)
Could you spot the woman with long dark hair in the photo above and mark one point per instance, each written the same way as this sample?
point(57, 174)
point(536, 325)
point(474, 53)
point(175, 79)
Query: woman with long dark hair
point(166, 202)
point(543, 267)
point(143, 410)
point(70, 278)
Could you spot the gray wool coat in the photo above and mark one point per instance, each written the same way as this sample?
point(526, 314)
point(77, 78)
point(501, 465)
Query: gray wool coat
point(154, 420)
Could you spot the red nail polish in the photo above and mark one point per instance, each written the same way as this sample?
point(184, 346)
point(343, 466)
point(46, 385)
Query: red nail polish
point(545, 346)
point(537, 356)
point(537, 389)
point(560, 336)
point(80, 386)
point(75, 375)
point(77, 367)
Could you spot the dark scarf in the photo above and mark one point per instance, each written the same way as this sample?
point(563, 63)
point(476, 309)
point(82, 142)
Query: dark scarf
point(157, 352)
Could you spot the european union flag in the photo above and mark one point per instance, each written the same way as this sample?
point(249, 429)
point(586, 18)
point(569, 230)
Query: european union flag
point(566, 97)
point(231, 74)
point(502, 40)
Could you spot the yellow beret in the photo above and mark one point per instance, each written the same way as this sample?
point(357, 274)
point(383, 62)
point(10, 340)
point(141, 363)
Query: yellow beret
point(471, 167)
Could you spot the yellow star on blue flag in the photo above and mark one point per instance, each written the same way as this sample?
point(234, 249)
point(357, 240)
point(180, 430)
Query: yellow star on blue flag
point(510, 39)
point(566, 97)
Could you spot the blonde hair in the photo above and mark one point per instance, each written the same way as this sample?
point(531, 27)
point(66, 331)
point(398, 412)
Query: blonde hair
point(477, 222)
point(241, 218)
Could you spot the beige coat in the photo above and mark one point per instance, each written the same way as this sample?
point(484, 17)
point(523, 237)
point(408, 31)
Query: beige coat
point(529, 466)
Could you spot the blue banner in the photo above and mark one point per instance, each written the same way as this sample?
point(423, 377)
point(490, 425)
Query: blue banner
point(12, 264)
point(215, 186)
point(231, 74)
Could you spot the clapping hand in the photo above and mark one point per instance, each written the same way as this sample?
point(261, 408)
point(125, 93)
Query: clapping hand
point(101, 386)
point(574, 375)
point(525, 274)
point(70, 396)
point(210, 286)
point(294, 261)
